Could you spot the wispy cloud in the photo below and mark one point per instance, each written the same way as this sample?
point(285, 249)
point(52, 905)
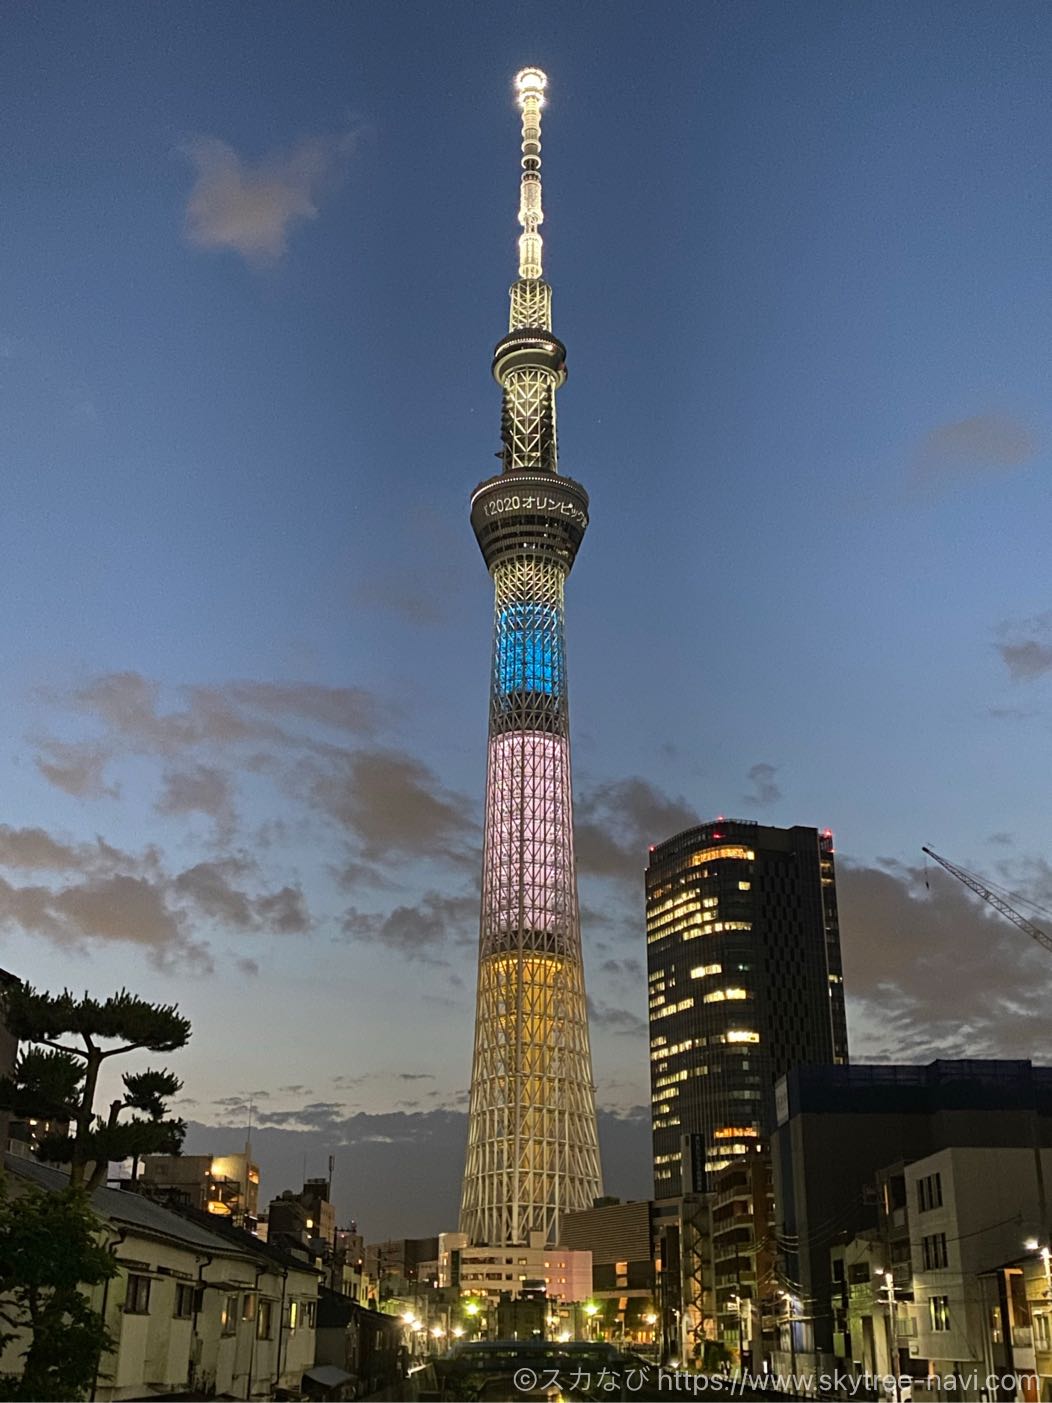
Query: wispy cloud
point(89, 894)
point(764, 789)
point(617, 821)
point(1027, 650)
point(966, 448)
point(394, 804)
point(252, 208)
point(77, 768)
point(620, 1021)
point(420, 932)
point(199, 789)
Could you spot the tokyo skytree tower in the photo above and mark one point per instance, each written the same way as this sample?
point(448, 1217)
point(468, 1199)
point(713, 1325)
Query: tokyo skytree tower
point(533, 1151)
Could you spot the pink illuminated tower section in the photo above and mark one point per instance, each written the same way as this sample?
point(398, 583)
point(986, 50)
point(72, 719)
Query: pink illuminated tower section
point(532, 1145)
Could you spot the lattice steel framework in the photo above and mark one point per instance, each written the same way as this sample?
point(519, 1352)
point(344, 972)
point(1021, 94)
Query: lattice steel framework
point(532, 1144)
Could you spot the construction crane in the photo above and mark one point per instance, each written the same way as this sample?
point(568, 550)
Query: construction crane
point(995, 898)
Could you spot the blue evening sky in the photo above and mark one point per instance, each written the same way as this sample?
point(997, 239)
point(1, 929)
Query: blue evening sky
point(253, 259)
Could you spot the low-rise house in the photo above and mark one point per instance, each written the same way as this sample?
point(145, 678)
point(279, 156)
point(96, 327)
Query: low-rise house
point(366, 1345)
point(195, 1307)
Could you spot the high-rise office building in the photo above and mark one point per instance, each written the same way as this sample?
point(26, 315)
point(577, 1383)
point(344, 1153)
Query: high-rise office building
point(532, 1140)
point(745, 982)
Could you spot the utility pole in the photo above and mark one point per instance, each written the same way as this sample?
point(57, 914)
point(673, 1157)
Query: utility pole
point(889, 1301)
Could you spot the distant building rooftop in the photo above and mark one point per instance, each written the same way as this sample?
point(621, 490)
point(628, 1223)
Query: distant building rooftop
point(942, 1085)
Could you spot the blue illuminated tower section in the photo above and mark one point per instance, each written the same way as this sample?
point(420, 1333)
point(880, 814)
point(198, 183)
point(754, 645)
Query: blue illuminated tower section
point(532, 1145)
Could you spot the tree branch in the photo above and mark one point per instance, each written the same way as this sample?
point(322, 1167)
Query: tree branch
point(60, 1047)
point(128, 1047)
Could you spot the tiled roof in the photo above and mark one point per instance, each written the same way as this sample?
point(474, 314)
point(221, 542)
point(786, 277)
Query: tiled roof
point(129, 1209)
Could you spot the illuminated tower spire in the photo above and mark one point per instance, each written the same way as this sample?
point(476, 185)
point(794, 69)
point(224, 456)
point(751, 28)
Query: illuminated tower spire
point(532, 1144)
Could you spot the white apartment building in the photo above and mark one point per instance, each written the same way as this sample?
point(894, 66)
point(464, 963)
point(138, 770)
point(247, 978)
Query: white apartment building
point(191, 1310)
point(488, 1271)
point(969, 1210)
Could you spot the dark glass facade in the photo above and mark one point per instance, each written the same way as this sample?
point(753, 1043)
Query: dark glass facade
point(745, 982)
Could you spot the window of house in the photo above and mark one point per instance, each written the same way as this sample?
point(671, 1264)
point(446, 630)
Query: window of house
point(294, 1315)
point(264, 1320)
point(228, 1315)
point(995, 1325)
point(184, 1301)
point(939, 1312)
point(929, 1192)
point(1042, 1330)
point(310, 1314)
point(248, 1306)
point(137, 1296)
point(933, 1250)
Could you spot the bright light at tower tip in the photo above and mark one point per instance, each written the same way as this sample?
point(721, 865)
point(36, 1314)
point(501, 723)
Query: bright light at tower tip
point(529, 82)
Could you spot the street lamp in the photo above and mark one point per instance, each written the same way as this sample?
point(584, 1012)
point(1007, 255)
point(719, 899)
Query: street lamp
point(591, 1310)
point(737, 1300)
point(792, 1333)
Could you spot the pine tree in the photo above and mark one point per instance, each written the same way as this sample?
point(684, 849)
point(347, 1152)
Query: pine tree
point(56, 1079)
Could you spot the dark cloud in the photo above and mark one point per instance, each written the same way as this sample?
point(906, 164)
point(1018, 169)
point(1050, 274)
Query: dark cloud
point(210, 887)
point(932, 971)
point(237, 713)
point(393, 805)
point(969, 447)
point(621, 1021)
point(618, 821)
point(1027, 647)
point(398, 1173)
point(202, 789)
point(98, 893)
point(352, 875)
point(117, 909)
point(1027, 660)
point(316, 1115)
point(251, 208)
point(77, 768)
point(629, 969)
point(421, 932)
point(349, 709)
point(764, 788)
point(35, 849)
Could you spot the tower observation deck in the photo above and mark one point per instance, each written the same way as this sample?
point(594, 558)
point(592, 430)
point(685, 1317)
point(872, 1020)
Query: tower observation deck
point(532, 1144)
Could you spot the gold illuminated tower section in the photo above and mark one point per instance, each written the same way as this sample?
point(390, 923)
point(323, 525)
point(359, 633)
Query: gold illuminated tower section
point(533, 1150)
